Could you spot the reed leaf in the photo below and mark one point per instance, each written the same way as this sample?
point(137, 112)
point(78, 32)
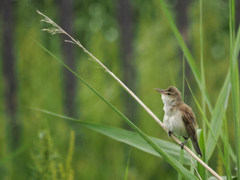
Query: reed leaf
point(173, 162)
point(187, 53)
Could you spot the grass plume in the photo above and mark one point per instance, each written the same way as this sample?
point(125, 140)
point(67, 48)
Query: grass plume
point(57, 29)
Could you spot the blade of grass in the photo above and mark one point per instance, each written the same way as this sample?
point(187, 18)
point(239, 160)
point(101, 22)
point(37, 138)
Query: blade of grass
point(209, 127)
point(222, 99)
point(234, 84)
point(200, 168)
point(205, 119)
point(202, 171)
point(57, 29)
point(127, 167)
point(232, 19)
point(181, 139)
point(127, 137)
point(181, 160)
point(231, 153)
point(202, 70)
point(215, 123)
point(175, 164)
point(224, 94)
point(183, 80)
point(187, 53)
point(226, 145)
point(131, 138)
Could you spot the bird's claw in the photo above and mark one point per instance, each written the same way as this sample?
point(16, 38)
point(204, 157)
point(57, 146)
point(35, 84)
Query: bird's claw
point(169, 133)
point(182, 145)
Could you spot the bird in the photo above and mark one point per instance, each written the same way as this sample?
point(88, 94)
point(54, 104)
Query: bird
point(179, 118)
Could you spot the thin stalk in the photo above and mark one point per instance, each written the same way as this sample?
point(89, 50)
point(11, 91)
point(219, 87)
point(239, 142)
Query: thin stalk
point(202, 70)
point(127, 167)
point(203, 80)
point(173, 162)
point(234, 74)
point(208, 125)
point(226, 146)
point(183, 89)
point(183, 80)
point(233, 20)
point(187, 53)
point(57, 29)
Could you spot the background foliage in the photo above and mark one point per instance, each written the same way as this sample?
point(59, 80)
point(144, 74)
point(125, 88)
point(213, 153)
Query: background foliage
point(45, 148)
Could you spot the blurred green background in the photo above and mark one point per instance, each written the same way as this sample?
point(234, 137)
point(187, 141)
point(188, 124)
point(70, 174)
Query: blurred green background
point(134, 40)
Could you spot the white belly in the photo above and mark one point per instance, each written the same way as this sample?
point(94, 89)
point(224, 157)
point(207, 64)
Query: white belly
point(174, 123)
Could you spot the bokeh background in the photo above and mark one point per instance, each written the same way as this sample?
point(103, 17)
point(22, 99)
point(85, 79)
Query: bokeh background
point(134, 40)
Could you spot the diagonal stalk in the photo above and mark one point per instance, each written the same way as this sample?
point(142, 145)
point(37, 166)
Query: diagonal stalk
point(57, 29)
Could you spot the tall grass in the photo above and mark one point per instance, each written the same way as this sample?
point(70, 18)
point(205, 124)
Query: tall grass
point(47, 163)
point(234, 73)
point(184, 172)
point(212, 130)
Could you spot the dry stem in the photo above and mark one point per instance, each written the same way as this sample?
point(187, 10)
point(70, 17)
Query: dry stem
point(56, 29)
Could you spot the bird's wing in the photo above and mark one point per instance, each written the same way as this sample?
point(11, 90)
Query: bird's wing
point(189, 120)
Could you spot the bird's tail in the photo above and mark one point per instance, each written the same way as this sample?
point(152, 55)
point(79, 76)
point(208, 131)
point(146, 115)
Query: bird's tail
point(196, 147)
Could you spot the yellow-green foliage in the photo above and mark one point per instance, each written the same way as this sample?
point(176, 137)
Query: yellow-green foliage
point(68, 173)
point(157, 64)
point(47, 162)
point(220, 170)
point(44, 156)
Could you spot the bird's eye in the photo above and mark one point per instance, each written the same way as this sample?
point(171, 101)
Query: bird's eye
point(168, 93)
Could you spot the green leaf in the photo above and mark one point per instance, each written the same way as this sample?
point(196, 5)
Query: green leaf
point(200, 168)
point(127, 167)
point(187, 54)
point(173, 162)
point(181, 138)
point(131, 138)
point(224, 94)
point(202, 74)
point(216, 123)
point(234, 74)
point(226, 146)
point(181, 160)
point(232, 154)
point(208, 124)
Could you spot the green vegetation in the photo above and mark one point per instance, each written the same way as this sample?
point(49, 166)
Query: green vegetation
point(47, 152)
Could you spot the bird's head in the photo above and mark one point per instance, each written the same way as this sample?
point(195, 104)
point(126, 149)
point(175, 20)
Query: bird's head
point(170, 95)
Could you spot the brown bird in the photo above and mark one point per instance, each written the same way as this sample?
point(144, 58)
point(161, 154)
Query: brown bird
point(179, 117)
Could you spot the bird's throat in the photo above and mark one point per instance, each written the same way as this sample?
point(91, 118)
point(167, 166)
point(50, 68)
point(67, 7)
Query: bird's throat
point(170, 105)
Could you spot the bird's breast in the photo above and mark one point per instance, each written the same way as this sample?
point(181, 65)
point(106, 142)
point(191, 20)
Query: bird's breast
point(173, 121)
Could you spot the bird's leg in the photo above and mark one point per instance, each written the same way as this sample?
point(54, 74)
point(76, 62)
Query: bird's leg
point(170, 133)
point(186, 139)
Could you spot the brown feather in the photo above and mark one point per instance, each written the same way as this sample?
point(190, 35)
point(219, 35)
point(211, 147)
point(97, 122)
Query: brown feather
point(188, 116)
point(190, 122)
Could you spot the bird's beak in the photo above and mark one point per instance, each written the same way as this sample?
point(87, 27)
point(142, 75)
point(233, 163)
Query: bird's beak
point(161, 91)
